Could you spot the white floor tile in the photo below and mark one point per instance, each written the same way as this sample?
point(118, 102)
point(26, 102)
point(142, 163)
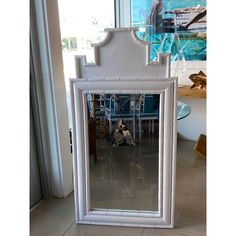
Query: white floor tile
point(52, 218)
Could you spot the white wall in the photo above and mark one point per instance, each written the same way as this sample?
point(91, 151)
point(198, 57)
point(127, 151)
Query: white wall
point(195, 124)
point(183, 69)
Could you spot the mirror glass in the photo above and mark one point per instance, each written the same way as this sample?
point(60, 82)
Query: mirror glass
point(123, 132)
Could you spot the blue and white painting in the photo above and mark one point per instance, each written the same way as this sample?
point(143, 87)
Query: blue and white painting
point(173, 26)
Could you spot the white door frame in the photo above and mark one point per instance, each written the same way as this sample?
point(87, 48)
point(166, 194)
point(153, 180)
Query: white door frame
point(123, 13)
point(49, 53)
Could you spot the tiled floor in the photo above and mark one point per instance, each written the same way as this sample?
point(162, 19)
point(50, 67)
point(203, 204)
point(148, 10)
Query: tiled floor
point(56, 216)
point(125, 177)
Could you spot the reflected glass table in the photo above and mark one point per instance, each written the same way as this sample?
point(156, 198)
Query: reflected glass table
point(183, 110)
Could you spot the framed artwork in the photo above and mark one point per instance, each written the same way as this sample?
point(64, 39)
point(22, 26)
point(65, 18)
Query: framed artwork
point(176, 27)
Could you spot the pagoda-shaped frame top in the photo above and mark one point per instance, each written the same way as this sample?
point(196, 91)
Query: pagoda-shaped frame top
point(122, 54)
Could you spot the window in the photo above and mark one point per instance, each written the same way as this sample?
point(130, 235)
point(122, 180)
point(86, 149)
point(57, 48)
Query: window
point(82, 23)
point(69, 43)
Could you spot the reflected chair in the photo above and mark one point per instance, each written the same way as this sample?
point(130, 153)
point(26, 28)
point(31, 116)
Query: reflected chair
point(145, 111)
point(119, 108)
point(96, 110)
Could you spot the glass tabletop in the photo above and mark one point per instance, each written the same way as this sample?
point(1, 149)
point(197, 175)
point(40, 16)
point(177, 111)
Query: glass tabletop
point(183, 110)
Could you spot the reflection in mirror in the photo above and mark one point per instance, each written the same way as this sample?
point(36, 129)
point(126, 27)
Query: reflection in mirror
point(123, 132)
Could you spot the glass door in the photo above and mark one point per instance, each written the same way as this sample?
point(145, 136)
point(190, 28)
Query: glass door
point(82, 23)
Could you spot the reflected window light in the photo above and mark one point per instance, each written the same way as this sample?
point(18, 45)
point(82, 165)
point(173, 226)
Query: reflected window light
point(142, 29)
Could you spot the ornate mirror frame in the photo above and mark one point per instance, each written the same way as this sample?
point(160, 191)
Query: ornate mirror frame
point(166, 87)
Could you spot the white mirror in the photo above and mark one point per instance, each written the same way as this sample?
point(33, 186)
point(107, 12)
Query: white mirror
point(124, 147)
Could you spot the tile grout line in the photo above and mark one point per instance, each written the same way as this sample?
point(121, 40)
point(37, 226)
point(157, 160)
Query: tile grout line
point(69, 228)
point(189, 194)
point(188, 166)
point(65, 201)
point(142, 232)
